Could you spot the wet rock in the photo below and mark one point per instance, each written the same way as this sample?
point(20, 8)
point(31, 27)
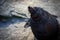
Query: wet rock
point(20, 6)
point(13, 29)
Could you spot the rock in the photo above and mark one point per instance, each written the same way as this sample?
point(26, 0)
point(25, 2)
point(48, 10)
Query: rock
point(16, 34)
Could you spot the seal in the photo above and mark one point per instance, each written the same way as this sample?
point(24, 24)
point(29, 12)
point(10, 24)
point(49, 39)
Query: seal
point(43, 24)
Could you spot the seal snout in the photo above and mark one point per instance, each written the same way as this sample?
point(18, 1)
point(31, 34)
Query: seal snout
point(31, 9)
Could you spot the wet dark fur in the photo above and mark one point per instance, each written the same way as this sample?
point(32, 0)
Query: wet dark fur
point(44, 25)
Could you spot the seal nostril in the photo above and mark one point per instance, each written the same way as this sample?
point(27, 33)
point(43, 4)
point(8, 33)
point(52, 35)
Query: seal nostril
point(29, 7)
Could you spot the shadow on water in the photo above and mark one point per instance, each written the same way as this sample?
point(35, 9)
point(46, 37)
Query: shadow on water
point(13, 20)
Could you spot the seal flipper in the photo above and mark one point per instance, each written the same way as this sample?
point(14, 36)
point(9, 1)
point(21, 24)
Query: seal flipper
point(27, 24)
